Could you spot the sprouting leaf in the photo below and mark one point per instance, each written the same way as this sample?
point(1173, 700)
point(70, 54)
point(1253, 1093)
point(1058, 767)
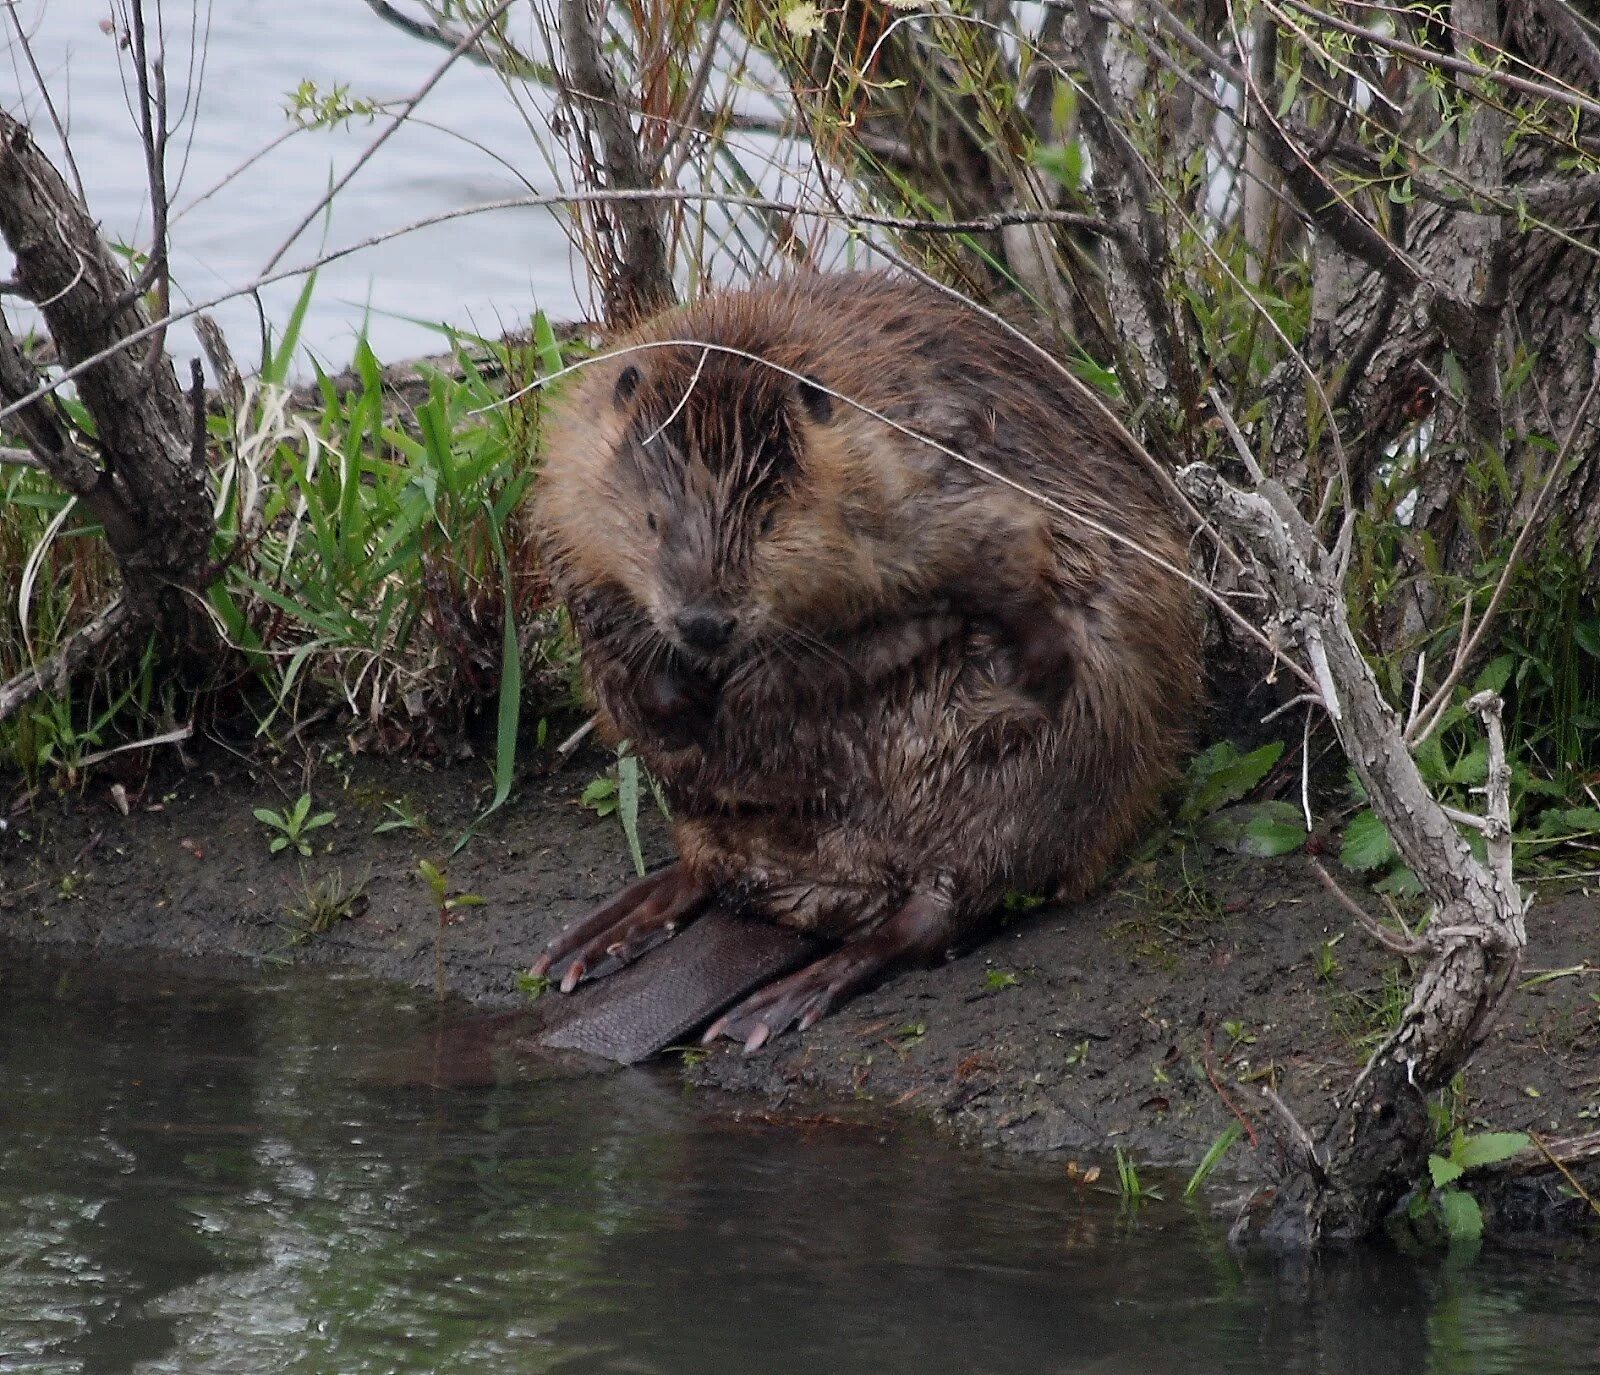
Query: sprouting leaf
point(1366, 843)
point(1444, 1170)
point(1496, 674)
point(1587, 634)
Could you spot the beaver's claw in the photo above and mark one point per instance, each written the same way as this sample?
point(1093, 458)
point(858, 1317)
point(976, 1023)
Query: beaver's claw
point(639, 918)
point(917, 931)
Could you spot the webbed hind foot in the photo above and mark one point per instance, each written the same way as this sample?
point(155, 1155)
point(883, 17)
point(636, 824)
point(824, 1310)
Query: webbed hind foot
point(636, 920)
point(918, 932)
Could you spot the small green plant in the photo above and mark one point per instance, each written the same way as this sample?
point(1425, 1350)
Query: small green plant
point(1447, 1208)
point(324, 903)
point(1130, 1187)
point(1238, 1034)
point(404, 815)
point(1212, 810)
point(293, 826)
point(616, 792)
point(996, 979)
point(1015, 901)
point(1078, 1055)
point(1212, 1158)
point(1324, 965)
point(910, 1034)
point(449, 906)
point(533, 986)
point(1365, 1016)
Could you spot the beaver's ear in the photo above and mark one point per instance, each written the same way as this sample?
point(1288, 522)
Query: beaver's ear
point(815, 398)
point(627, 384)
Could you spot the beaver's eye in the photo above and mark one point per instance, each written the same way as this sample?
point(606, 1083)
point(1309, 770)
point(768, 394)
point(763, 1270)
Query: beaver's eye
point(767, 522)
point(650, 520)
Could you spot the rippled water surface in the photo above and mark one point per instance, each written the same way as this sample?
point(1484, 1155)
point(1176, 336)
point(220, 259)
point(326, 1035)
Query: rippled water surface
point(198, 1175)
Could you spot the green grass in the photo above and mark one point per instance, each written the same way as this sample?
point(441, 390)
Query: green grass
point(374, 561)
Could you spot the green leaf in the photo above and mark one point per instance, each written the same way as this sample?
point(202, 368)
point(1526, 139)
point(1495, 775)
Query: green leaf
point(1402, 883)
point(1496, 674)
point(1064, 162)
point(509, 715)
point(1488, 1148)
point(1219, 1148)
point(432, 876)
point(320, 819)
point(1366, 843)
point(277, 368)
point(278, 843)
point(1262, 829)
point(1222, 775)
point(1568, 821)
point(1463, 1219)
point(1587, 634)
point(599, 790)
point(1444, 1170)
point(268, 817)
point(628, 807)
point(544, 340)
point(1274, 828)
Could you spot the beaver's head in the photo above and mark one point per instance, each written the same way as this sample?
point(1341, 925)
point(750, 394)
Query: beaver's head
point(739, 506)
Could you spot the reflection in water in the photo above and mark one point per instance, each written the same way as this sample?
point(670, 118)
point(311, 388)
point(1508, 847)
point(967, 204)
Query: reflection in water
point(201, 1176)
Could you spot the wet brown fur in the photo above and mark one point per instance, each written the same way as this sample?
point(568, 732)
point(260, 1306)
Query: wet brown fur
point(863, 737)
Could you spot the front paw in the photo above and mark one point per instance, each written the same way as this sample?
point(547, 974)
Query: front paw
point(677, 705)
point(1043, 658)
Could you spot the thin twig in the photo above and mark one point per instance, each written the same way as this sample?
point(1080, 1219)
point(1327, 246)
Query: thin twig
point(70, 655)
point(1567, 1174)
point(406, 107)
point(1422, 726)
point(1295, 1135)
point(1222, 1093)
point(1396, 945)
point(552, 199)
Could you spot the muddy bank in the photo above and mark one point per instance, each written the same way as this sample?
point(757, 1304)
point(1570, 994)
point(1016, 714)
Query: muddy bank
point(1145, 1017)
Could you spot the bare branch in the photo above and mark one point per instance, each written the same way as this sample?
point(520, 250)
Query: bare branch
point(1128, 198)
point(1560, 93)
point(1423, 723)
point(757, 203)
point(100, 634)
point(468, 40)
point(643, 284)
point(1395, 945)
point(1379, 1138)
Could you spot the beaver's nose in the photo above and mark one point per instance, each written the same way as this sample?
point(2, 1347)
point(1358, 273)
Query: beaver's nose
point(704, 627)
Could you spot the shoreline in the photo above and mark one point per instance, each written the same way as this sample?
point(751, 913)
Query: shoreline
point(1144, 1018)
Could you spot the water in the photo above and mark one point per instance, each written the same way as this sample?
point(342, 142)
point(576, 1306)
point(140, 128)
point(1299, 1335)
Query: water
point(201, 1176)
point(485, 273)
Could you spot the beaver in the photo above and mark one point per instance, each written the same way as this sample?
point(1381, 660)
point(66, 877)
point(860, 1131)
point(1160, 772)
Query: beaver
point(880, 687)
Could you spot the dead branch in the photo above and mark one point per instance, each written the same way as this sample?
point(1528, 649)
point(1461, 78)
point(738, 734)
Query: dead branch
point(1130, 201)
point(642, 283)
point(101, 635)
point(139, 476)
point(1377, 1144)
